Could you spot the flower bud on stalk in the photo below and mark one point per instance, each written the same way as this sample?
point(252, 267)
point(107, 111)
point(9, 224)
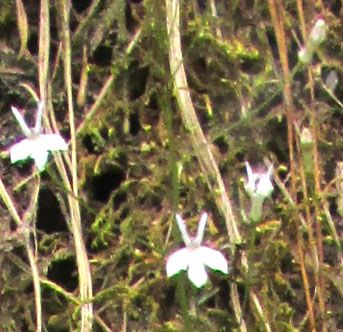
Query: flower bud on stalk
point(317, 36)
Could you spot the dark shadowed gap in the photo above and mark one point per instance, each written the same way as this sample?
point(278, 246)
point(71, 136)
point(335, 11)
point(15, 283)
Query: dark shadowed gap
point(107, 181)
point(49, 216)
point(63, 272)
point(81, 5)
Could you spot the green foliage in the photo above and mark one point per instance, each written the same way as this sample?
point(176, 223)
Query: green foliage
point(137, 168)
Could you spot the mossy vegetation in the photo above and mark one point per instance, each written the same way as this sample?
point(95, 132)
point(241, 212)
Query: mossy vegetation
point(137, 166)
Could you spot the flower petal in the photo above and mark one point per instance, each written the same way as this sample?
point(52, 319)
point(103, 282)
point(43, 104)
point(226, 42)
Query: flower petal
point(40, 157)
point(201, 229)
point(250, 186)
point(20, 150)
point(213, 259)
point(20, 119)
point(38, 125)
point(196, 270)
point(51, 142)
point(177, 261)
point(265, 186)
point(183, 230)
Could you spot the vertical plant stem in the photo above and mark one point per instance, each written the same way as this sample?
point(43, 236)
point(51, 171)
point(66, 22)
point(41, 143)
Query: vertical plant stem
point(276, 12)
point(201, 147)
point(85, 280)
point(168, 116)
point(317, 191)
point(189, 117)
point(36, 284)
point(30, 252)
point(249, 270)
point(183, 302)
point(317, 194)
point(43, 50)
point(22, 27)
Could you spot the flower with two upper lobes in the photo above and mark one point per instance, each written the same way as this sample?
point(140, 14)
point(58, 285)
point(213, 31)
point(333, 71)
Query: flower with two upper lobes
point(194, 256)
point(259, 187)
point(36, 145)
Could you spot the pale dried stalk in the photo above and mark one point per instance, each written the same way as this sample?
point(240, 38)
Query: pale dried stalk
point(201, 147)
point(278, 19)
point(85, 279)
point(30, 252)
point(319, 269)
point(43, 49)
point(22, 27)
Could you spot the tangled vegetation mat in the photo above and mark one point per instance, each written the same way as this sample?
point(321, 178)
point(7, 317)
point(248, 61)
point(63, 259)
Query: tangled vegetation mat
point(162, 104)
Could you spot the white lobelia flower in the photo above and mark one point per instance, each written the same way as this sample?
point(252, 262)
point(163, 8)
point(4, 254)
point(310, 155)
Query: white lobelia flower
point(36, 145)
point(259, 184)
point(259, 187)
point(194, 257)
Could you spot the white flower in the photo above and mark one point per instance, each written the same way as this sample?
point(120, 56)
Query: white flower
point(259, 184)
point(194, 257)
point(259, 187)
point(36, 145)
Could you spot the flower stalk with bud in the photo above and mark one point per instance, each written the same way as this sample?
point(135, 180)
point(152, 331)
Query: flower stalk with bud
point(317, 36)
point(259, 187)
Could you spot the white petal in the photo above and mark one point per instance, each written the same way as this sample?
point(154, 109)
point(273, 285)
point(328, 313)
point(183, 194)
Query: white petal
point(20, 119)
point(51, 142)
point(250, 186)
point(183, 230)
point(213, 259)
point(201, 229)
point(177, 261)
point(20, 151)
point(40, 157)
point(196, 270)
point(265, 186)
point(38, 125)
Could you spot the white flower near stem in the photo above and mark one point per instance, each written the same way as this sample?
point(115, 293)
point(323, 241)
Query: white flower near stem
point(259, 187)
point(36, 145)
point(194, 257)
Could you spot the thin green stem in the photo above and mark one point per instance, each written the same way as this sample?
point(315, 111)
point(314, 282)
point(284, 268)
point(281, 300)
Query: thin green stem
point(249, 270)
point(181, 293)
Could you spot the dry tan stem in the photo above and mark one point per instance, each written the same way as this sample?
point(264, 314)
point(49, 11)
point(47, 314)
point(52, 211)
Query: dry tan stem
point(36, 286)
point(85, 280)
point(201, 147)
point(43, 51)
point(22, 27)
point(30, 252)
point(319, 278)
point(278, 19)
